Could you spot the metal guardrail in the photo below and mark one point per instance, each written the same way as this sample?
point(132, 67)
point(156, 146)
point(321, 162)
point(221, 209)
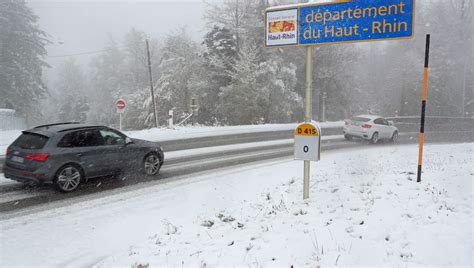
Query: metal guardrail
point(404, 124)
point(433, 123)
point(229, 139)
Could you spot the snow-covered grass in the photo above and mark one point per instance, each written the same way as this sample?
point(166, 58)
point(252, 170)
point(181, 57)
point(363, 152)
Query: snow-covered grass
point(177, 133)
point(364, 209)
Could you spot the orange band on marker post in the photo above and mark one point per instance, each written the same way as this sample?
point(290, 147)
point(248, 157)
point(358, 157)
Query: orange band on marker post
point(424, 95)
point(420, 151)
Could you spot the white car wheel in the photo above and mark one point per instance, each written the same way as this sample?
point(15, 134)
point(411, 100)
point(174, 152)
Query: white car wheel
point(395, 136)
point(375, 138)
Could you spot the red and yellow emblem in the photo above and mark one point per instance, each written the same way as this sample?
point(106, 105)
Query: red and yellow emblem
point(281, 26)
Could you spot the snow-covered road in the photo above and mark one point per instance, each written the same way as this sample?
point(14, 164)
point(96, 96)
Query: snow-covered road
point(180, 133)
point(365, 209)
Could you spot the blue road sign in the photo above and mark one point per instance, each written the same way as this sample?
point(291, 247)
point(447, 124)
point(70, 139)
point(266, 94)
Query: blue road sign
point(338, 22)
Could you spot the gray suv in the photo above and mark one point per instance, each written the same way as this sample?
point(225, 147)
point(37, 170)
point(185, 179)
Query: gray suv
point(67, 154)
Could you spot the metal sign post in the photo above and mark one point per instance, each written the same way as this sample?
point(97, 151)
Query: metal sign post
point(120, 121)
point(308, 112)
point(120, 104)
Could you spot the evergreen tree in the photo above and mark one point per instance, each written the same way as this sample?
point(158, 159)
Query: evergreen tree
point(108, 84)
point(22, 52)
point(260, 92)
point(136, 61)
point(219, 56)
point(451, 54)
point(71, 87)
point(233, 15)
point(239, 103)
point(177, 82)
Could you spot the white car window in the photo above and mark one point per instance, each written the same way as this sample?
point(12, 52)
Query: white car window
point(379, 121)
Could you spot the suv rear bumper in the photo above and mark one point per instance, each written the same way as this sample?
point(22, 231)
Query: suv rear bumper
point(25, 176)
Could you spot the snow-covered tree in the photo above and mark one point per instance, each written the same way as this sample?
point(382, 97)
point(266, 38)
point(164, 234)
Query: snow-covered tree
point(22, 52)
point(260, 92)
point(136, 60)
point(136, 81)
point(452, 26)
point(390, 82)
point(175, 87)
point(219, 56)
point(107, 84)
point(71, 87)
point(231, 14)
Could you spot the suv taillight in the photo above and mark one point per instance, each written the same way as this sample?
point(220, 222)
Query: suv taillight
point(37, 157)
point(366, 126)
point(9, 151)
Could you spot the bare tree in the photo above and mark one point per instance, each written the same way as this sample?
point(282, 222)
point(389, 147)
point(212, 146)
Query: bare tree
point(232, 14)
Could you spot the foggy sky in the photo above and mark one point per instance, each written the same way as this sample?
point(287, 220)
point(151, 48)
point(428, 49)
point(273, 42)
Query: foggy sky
point(80, 26)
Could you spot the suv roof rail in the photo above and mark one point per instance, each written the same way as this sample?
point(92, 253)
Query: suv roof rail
point(82, 128)
point(57, 124)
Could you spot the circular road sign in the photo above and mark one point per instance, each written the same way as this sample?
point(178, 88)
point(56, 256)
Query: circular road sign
point(120, 103)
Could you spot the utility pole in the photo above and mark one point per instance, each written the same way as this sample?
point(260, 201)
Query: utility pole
point(325, 95)
point(151, 83)
point(463, 110)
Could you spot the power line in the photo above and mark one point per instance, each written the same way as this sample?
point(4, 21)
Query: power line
point(82, 53)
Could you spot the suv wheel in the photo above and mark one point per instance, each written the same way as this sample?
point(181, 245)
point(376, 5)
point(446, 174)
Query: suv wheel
point(347, 137)
point(151, 164)
point(375, 138)
point(68, 178)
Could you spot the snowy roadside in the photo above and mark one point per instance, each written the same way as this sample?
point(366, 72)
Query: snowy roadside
point(187, 132)
point(365, 209)
point(177, 133)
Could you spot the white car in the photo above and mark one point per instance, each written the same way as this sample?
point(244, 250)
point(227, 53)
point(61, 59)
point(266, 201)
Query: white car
point(370, 127)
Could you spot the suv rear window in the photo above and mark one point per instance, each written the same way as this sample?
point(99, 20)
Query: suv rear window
point(30, 141)
point(360, 119)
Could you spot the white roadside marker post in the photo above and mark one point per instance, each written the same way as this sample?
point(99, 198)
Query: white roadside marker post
point(307, 148)
point(170, 118)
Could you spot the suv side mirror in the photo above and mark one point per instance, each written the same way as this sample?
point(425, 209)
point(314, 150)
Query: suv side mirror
point(128, 141)
point(390, 123)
